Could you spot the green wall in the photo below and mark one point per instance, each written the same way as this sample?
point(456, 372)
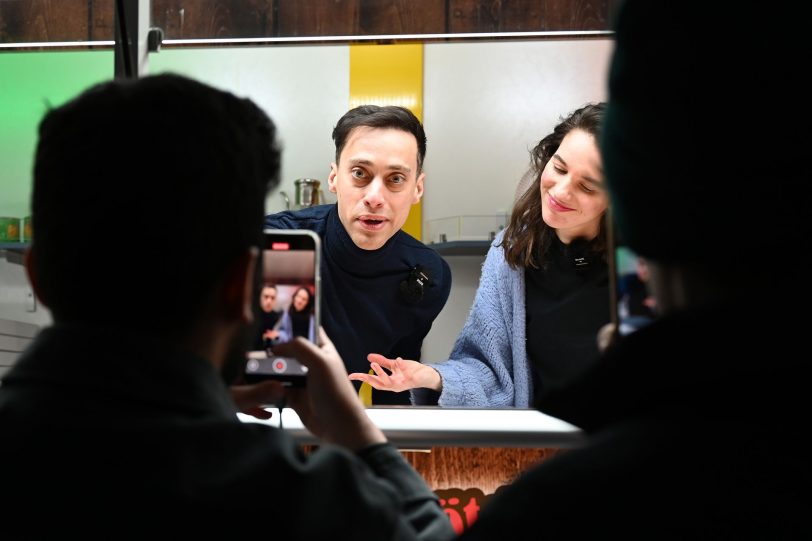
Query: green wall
point(30, 83)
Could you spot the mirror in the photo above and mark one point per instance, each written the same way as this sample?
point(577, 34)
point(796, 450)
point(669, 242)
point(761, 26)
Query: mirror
point(486, 103)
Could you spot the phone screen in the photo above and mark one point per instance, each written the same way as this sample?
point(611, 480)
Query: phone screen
point(287, 303)
point(633, 305)
point(636, 307)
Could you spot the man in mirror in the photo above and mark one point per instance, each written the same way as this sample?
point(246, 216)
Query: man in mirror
point(382, 288)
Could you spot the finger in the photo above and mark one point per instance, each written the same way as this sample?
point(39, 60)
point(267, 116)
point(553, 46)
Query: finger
point(259, 413)
point(324, 341)
point(303, 350)
point(383, 376)
point(373, 381)
point(380, 359)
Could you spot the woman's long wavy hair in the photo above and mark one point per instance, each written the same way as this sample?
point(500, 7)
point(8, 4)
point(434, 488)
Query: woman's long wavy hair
point(527, 237)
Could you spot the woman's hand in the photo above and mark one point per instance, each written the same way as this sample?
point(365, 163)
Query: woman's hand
point(399, 374)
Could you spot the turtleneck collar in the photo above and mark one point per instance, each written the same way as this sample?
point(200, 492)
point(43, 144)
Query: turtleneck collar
point(343, 252)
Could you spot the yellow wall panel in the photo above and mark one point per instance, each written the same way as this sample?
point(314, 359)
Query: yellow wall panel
point(389, 75)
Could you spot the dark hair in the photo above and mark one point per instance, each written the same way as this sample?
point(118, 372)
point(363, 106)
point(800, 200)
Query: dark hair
point(377, 116)
point(308, 308)
point(527, 237)
point(158, 183)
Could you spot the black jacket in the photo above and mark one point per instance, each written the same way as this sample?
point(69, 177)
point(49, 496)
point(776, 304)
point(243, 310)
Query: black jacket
point(108, 435)
point(698, 428)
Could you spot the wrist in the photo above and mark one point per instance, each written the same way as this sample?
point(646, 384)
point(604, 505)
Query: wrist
point(433, 379)
point(367, 435)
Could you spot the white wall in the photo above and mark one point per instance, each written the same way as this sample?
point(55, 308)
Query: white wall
point(304, 89)
point(485, 105)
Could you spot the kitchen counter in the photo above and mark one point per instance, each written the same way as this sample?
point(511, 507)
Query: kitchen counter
point(413, 427)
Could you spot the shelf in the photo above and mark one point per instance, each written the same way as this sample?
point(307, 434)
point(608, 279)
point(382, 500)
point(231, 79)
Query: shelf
point(13, 251)
point(462, 247)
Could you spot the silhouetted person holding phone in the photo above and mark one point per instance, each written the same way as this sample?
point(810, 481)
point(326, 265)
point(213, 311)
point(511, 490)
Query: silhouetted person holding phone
point(121, 427)
point(698, 422)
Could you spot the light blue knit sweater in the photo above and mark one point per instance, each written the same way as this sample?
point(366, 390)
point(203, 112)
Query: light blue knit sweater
point(488, 365)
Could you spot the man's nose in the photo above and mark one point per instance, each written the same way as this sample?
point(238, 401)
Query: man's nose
point(374, 195)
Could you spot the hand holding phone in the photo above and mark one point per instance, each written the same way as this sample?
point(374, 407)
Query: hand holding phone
point(329, 407)
point(287, 304)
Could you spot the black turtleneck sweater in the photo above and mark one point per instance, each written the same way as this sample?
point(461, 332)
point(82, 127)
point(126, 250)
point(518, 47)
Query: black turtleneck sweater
point(362, 308)
point(567, 302)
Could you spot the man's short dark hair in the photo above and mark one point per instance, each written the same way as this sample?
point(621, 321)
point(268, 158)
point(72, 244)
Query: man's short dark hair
point(145, 192)
point(378, 116)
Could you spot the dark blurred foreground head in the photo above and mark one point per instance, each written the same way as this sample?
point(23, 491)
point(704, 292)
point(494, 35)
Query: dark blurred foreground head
point(145, 193)
point(706, 136)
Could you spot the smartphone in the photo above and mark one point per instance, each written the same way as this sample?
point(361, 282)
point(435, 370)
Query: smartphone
point(287, 303)
point(633, 305)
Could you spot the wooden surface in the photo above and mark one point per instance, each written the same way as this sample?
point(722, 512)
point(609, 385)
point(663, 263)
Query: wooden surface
point(464, 468)
point(83, 20)
point(465, 478)
point(485, 468)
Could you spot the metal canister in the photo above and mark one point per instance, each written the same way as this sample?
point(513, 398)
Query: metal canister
point(308, 193)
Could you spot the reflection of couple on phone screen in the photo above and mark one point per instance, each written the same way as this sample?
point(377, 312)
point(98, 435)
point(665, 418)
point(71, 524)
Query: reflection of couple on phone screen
point(297, 320)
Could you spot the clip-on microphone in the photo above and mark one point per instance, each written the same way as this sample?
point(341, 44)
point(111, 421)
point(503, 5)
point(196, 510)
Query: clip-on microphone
point(412, 287)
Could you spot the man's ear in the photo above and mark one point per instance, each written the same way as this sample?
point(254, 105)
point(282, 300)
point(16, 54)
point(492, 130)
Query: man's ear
point(331, 180)
point(418, 188)
point(31, 273)
point(238, 287)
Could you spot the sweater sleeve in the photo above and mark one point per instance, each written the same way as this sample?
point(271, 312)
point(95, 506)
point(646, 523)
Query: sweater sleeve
point(479, 372)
